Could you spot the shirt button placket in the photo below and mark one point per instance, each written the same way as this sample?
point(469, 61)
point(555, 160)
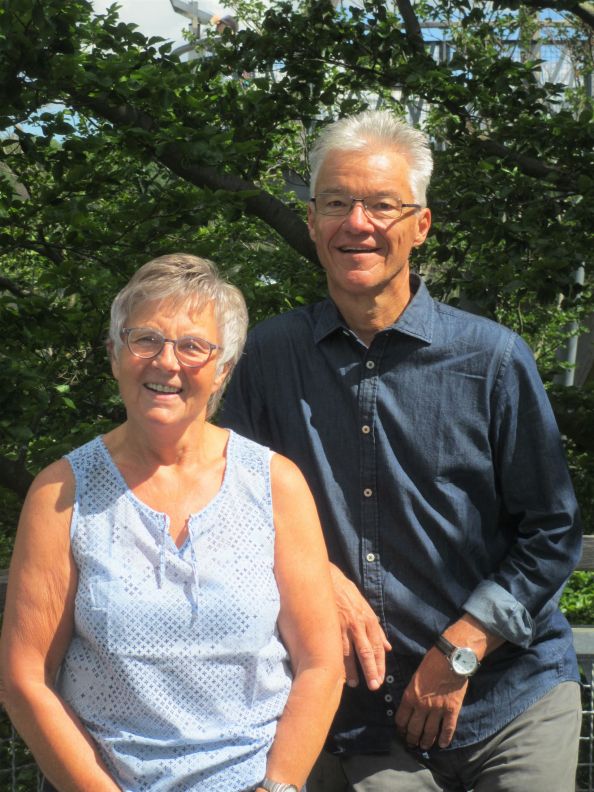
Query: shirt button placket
point(368, 463)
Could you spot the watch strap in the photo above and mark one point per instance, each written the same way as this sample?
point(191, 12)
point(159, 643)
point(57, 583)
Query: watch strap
point(445, 646)
point(277, 786)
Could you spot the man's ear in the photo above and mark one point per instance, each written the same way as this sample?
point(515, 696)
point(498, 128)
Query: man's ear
point(423, 226)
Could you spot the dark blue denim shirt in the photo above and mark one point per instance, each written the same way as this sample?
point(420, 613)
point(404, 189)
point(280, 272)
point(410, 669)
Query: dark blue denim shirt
point(442, 487)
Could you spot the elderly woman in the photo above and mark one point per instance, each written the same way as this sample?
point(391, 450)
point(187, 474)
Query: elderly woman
point(169, 621)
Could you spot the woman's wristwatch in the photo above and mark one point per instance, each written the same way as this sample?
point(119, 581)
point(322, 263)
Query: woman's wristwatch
point(277, 786)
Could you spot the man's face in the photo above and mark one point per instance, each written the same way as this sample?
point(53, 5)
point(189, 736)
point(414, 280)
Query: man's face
point(361, 255)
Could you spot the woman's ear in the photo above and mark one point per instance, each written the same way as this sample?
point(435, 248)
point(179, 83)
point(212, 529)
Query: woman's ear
point(221, 378)
point(113, 358)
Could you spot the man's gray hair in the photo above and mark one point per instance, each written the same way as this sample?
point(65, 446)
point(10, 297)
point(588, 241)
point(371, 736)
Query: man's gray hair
point(372, 129)
point(191, 283)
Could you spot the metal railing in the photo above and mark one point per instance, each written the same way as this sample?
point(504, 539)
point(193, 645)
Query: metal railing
point(585, 771)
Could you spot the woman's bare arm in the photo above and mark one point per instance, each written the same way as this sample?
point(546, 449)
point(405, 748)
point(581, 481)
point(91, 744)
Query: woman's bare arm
point(308, 624)
point(38, 623)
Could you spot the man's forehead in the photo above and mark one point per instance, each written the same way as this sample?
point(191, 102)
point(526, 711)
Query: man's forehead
point(383, 169)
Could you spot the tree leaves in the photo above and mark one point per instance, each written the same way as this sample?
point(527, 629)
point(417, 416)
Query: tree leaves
point(114, 151)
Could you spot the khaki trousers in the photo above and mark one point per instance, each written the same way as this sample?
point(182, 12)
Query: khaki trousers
point(536, 752)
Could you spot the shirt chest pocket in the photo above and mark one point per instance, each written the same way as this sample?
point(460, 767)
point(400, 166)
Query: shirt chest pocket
point(451, 425)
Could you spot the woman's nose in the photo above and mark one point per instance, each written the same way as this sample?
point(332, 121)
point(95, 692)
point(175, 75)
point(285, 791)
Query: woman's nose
point(167, 356)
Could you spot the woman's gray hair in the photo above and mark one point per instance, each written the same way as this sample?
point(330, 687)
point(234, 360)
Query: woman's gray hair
point(368, 130)
point(191, 283)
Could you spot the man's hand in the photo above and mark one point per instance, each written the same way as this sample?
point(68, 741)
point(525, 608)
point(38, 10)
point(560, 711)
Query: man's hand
point(433, 699)
point(361, 633)
point(431, 703)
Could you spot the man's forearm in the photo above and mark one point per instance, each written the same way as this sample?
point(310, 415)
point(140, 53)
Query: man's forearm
point(468, 631)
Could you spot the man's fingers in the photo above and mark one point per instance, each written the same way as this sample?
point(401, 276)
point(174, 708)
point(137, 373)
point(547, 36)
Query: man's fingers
point(417, 726)
point(347, 648)
point(369, 642)
point(414, 728)
point(402, 717)
point(367, 660)
point(350, 665)
point(379, 652)
point(448, 727)
point(361, 633)
point(431, 730)
point(371, 650)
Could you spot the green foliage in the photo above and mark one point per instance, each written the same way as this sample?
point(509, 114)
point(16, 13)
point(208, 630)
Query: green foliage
point(114, 151)
point(574, 408)
point(577, 601)
point(18, 771)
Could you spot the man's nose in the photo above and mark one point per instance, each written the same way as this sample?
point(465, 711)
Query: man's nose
point(357, 217)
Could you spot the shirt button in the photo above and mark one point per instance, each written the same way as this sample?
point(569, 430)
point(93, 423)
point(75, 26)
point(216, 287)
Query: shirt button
point(389, 713)
point(368, 492)
point(389, 679)
point(370, 364)
point(388, 697)
point(366, 429)
point(370, 556)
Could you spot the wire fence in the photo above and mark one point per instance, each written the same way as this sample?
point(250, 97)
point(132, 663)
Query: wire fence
point(585, 771)
point(18, 771)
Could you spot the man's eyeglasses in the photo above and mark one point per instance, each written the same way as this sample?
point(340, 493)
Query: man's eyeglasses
point(379, 206)
point(191, 351)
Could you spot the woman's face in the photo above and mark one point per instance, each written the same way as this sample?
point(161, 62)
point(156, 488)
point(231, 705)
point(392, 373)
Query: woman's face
point(161, 390)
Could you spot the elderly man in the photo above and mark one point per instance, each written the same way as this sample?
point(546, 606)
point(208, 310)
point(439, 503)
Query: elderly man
point(438, 471)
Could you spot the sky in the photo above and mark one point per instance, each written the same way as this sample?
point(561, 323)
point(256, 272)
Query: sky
point(156, 17)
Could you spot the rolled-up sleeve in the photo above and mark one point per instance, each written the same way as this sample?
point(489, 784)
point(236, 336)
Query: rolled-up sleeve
point(537, 494)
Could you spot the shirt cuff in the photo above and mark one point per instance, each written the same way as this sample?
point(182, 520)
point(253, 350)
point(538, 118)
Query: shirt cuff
point(500, 613)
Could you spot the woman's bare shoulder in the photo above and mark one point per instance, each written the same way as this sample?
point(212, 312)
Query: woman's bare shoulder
point(286, 474)
point(50, 498)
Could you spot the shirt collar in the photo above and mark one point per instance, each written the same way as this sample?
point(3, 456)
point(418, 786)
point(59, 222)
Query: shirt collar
point(416, 320)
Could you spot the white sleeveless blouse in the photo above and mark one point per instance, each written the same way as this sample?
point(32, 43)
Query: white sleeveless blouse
point(175, 666)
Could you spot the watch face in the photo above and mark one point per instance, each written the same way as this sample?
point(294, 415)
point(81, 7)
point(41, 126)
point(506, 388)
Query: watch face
point(464, 662)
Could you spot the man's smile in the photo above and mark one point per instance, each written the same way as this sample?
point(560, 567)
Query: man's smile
point(357, 249)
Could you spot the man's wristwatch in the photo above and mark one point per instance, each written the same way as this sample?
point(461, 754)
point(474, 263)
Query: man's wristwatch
point(463, 661)
point(277, 786)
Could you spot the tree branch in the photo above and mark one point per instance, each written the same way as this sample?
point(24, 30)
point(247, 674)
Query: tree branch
point(52, 252)
point(11, 286)
point(583, 11)
point(263, 205)
point(414, 34)
point(530, 166)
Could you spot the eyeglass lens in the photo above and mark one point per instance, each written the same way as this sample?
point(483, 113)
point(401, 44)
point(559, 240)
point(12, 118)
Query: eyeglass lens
point(377, 205)
point(191, 350)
